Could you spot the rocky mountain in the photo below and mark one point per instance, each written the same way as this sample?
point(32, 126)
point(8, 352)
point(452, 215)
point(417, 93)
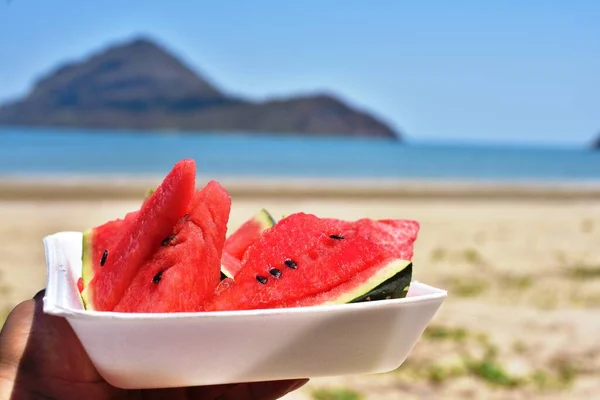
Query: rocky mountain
point(140, 85)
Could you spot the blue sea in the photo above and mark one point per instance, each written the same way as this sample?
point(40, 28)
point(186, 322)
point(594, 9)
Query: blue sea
point(78, 152)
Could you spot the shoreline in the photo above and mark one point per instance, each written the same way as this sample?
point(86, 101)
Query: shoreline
point(118, 187)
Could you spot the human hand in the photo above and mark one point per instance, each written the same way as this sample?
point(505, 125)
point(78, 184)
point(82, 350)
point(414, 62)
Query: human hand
point(41, 357)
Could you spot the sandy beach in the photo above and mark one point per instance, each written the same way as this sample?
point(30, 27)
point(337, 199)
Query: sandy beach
point(521, 265)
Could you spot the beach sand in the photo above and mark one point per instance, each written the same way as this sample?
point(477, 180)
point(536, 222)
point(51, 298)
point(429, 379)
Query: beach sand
point(523, 274)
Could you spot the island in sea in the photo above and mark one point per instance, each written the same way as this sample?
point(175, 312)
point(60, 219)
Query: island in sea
point(140, 85)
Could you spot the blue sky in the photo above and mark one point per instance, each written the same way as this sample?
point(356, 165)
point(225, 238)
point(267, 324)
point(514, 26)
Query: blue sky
point(499, 71)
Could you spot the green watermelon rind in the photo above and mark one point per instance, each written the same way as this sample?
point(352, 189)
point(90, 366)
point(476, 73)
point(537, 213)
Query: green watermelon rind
point(149, 192)
point(87, 272)
point(86, 264)
point(395, 287)
point(373, 286)
point(266, 218)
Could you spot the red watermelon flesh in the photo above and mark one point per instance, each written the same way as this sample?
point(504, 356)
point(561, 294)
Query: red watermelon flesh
point(184, 272)
point(155, 220)
point(295, 264)
point(248, 233)
point(396, 235)
point(102, 237)
point(97, 240)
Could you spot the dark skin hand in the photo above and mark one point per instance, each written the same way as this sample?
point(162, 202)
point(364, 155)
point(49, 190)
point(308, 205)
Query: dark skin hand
point(41, 358)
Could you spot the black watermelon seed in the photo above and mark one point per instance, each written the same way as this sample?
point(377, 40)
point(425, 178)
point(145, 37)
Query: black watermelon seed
point(168, 239)
point(157, 277)
point(261, 279)
point(291, 263)
point(336, 237)
point(104, 257)
point(275, 272)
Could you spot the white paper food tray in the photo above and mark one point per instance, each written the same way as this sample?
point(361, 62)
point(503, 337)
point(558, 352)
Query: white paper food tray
point(190, 349)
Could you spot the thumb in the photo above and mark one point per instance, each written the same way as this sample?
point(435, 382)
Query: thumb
point(43, 345)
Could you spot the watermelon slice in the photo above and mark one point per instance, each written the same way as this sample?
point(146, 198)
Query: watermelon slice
point(248, 233)
point(155, 220)
point(97, 241)
point(185, 271)
point(303, 261)
point(172, 255)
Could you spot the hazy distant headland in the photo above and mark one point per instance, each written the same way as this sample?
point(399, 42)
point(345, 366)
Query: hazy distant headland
point(140, 85)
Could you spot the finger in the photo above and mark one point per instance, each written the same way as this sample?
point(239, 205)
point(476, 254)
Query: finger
point(262, 390)
point(160, 394)
point(18, 327)
point(15, 333)
point(246, 391)
point(39, 296)
point(48, 341)
point(208, 392)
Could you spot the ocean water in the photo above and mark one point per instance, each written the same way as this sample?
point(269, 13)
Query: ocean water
point(78, 152)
